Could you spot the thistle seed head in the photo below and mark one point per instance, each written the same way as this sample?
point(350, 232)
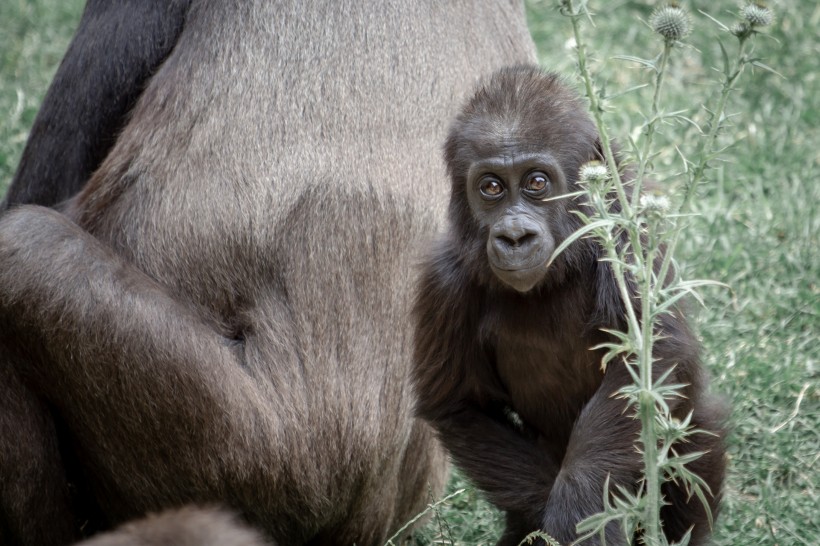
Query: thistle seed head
point(655, 207)
point(742, 30)
point(593, 173)
point(757, 14)
point(670, 21)
point(659, 203)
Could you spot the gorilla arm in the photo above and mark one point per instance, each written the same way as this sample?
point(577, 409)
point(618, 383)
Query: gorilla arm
point(602, 444)
point(102, 338)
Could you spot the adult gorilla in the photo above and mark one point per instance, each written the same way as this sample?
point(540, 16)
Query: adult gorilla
point(219, 312)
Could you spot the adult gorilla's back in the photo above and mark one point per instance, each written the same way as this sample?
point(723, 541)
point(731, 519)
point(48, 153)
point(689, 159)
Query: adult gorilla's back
point(220, 314)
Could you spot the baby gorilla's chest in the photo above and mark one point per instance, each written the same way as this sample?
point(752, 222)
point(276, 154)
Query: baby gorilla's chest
point(548, 380)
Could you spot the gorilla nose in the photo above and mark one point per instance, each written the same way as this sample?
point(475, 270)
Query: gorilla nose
point(514, 235)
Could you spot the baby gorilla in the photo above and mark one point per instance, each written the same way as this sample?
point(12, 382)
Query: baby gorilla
point(503, 363)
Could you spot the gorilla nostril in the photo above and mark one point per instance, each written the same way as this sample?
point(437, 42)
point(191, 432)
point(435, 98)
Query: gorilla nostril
point(505, 240)
point(526, 239)
point(516, 240)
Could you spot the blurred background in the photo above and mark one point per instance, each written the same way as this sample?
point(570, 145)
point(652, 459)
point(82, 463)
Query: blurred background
point(757, 231)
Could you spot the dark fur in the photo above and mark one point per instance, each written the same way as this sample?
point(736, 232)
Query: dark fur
point(484, 349)
point(217, 315)
point(117, 48)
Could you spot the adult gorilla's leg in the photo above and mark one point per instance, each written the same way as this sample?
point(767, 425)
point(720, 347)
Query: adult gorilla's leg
point(154, 398)
point(34, 504)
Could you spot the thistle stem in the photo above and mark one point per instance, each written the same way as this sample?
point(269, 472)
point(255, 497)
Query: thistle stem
point(612, 164)
point(596, 107)
point(709, 144)
point(646, 149)
point(648, 410)
point(706, 151)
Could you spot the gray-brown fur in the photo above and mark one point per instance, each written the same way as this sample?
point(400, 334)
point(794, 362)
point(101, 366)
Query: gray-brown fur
point(219, 315)
point(189, 526)
point(503, 339)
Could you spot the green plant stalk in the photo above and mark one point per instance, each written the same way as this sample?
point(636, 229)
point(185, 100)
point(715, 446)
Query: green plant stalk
point(595, 107)
point(617, 183)
point(620, 280)
point(641, 332)
point(709, 144)
point(618, 272)
point(420, 515)
point(660, 72)
point(648, 411)
point(705, 155)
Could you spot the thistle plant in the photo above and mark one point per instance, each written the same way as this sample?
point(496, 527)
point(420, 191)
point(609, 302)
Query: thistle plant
point(639, 233)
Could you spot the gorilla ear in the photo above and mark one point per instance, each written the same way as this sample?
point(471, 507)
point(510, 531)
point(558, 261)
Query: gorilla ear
point(599, 150)
point(596, 152)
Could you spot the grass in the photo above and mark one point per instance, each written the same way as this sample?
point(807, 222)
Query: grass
point(33, 38)
point(757, 232)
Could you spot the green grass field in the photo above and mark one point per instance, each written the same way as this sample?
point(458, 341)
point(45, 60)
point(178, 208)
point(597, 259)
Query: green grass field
point(757, 232)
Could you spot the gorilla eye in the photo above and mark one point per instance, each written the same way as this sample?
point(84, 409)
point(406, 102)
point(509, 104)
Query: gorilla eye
point(537, 184)
point(491, 188)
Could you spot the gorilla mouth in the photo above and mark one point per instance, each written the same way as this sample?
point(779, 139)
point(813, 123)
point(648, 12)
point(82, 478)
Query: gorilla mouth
point(526, 269)
point(533, 261)
point(522, 279)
